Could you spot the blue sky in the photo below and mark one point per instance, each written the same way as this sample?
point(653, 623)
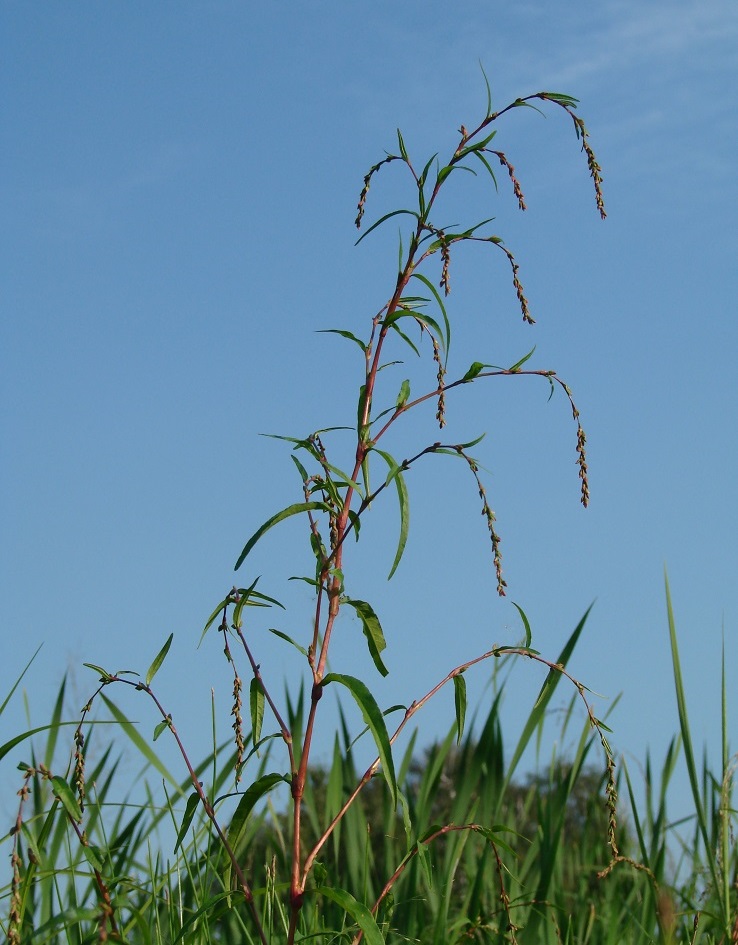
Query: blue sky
point(179, 184)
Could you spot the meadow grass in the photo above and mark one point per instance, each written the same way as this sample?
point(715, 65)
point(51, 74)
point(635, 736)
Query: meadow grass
point(477, 850)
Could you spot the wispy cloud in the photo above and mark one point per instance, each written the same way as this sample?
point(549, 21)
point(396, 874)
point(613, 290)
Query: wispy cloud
point(665, 37)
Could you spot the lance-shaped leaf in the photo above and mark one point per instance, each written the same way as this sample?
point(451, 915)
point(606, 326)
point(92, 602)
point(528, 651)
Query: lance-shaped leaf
point(11, 744)
point(518, 364)
point(357, 910)
point(489, 91)
point(395, 474)
point(251, 797)
point(295, 509)
point(476, 369)
point(278, 633)
point(387, 216)
point(460, 705)
point(477, 146)
point(553, 678)
point(249, 597)
point(192, 801)
point(401, 143)
point(64, 793)
point(343, 334)
point(375, 721)
point(94, 857)
point(526, 624)
point(158, 660)
point(404, 395)
point(344, 479)
point(256, 703)
point(140, 743)
point(105, 676)
point(372, 631)
point(426, 282)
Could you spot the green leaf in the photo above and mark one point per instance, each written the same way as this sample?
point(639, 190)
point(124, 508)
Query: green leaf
point(460, 705)
point(300, 468)
point(689, 755)
point(526, 624)
point(355, 521)
point(483, 159)
point(375, 720)
point(493, 835)
point(489, 91)
point(343, 478)
point(401, 143)
point(140, 743)
point(381, 220)
point(274, 520)
point(404, 500)
point(426, 282)
point(430, 323)
point(64, 793)
point(468, 446)
point(192, 801)
point(161, 727)
point(17, 683)
point(104, 674)
point(10, 745)
point(404, 395)
point(158, 660)
point(278, 633)
point(361, 428)
point(424, 172)
point(343, 334)
point(561, 99)
point(248, 597)
point(476, 369)
point(443, 173)
point(357, 910)
point(372, 631)
point(394, 326)
point(256, 703)
point(553, 678)
point(250, 798)
point(93, 857)
point(521, 362)
point(477, 146)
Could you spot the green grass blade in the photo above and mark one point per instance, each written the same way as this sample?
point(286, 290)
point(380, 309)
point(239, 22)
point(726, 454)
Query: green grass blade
point(358, 912)
point(544, 697)
point(15, 685)
point(139, 742)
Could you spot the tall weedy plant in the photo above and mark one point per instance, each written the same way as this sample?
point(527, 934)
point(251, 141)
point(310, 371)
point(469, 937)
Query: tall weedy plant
point(337, 491)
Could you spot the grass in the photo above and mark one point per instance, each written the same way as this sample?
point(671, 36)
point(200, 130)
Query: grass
point(543, 869)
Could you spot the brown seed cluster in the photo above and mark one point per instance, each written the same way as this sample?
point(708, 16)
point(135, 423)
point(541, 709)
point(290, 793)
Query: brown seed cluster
point(515, 182)
point(489, 515)
point(441, 412)
point(79, 767)
point(611, 792)
point(365, 189)
point(594, 168)
point(238, 724)
point(16, 898)
point(525, 310)
point(445, 282)
point(582, 463)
